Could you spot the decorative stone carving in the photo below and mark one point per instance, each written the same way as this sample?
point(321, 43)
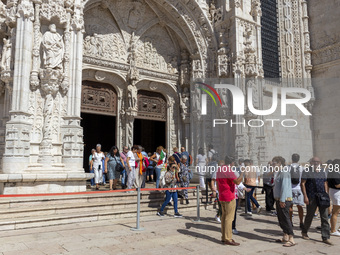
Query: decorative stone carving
point(100, 76)
point(151, 106)
point(255, 96)
point(6, 55)
point(184, 98)
point(50, 85)
point(3, 16)
point(197, 69)
point(25, 9)
point(132, 97)
point(12, 7)
point(53, 9)
point(185, 68)
point(98, 98)
point(223, 59)
point(250, 54)
point(256, 9)
point(53, 48)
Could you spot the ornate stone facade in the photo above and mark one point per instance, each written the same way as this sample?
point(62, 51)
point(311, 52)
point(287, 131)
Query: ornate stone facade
point(113, 57)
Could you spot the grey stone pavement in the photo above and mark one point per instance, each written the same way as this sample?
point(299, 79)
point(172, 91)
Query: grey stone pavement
point(167, 235)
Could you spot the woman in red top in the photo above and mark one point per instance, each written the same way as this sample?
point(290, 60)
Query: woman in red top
point(226, 180)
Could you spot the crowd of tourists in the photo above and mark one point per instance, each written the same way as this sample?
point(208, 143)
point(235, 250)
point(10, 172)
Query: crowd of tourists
point(134, 168)
point(314, 185)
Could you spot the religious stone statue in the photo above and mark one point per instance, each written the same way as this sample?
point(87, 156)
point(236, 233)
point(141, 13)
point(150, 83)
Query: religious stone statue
point(6, 55)
point(53, 48)
point(185, 103)
point(132, 97)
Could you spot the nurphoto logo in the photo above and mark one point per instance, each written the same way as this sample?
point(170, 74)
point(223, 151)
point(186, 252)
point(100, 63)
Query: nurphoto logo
point(288, 96)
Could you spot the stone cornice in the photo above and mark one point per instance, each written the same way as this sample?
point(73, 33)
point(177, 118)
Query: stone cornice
point(125, 67)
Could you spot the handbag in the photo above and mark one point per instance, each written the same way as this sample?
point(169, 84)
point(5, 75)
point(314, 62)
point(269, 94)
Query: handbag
point(119, 168)
point(322, 198)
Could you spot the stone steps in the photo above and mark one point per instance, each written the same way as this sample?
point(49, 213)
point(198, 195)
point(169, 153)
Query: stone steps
point(30, 212)
point(19, 213)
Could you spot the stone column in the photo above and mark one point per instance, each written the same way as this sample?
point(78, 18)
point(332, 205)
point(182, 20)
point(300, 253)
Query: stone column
point(18, 128)
point(71, 130)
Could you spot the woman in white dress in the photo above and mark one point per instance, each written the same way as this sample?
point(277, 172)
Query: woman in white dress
point(97, 164)
point(201, 162)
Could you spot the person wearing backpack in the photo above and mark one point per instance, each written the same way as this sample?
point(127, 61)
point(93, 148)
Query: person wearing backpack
point(296, 172)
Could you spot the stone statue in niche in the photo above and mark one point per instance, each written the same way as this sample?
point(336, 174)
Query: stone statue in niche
point(6, 55)
point(98, 44)
point(173, 66)
point(255, 96)
point(53, 48)
point(184, 102)
point(132, 97)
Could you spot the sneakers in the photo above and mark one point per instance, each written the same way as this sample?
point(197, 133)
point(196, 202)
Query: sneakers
point(217, 219)
point(169, 204)
point(187, 201)
point(305, 236)
point(250, 213)
point(235, 232)
point(258, 210)
point(336, 233)
point(160, 214)
point(326, 241)
point(178, 215)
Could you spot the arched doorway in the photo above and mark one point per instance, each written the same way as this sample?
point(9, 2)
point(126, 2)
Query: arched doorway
point(150, 122)
point(98, 113)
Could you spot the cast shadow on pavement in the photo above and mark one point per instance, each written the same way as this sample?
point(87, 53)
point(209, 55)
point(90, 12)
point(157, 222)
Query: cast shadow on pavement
point(202, 226)
point(198, 235)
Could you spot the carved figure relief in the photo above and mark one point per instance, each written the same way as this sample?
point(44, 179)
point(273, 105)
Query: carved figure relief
point(132, 97)
point(53, 48)
point(185, 103)
point(6, 55)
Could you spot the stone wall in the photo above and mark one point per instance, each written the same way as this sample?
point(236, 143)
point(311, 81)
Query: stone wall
point(284, 141)
point(325, 42)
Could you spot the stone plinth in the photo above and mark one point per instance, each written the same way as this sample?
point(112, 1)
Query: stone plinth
point(33, 183)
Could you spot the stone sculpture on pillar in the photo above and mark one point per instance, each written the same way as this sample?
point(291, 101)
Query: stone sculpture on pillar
point(51, 77)
point(53, 48)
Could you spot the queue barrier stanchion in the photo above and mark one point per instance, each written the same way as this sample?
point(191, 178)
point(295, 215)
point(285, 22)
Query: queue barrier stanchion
point(198, 203)
point(138, 228)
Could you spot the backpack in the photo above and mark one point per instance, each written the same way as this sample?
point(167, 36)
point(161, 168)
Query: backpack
point(295, 174)
point(214, 156)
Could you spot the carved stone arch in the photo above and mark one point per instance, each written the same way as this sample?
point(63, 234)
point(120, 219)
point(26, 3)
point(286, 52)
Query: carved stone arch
point(117, 81)
point(161, 87)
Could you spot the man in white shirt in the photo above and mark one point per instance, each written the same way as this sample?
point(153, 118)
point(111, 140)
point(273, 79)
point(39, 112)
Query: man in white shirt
point(131, 166)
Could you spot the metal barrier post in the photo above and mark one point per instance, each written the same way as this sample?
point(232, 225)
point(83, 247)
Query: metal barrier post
point(138, 228)
point(246, 205)
point(198, 203)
